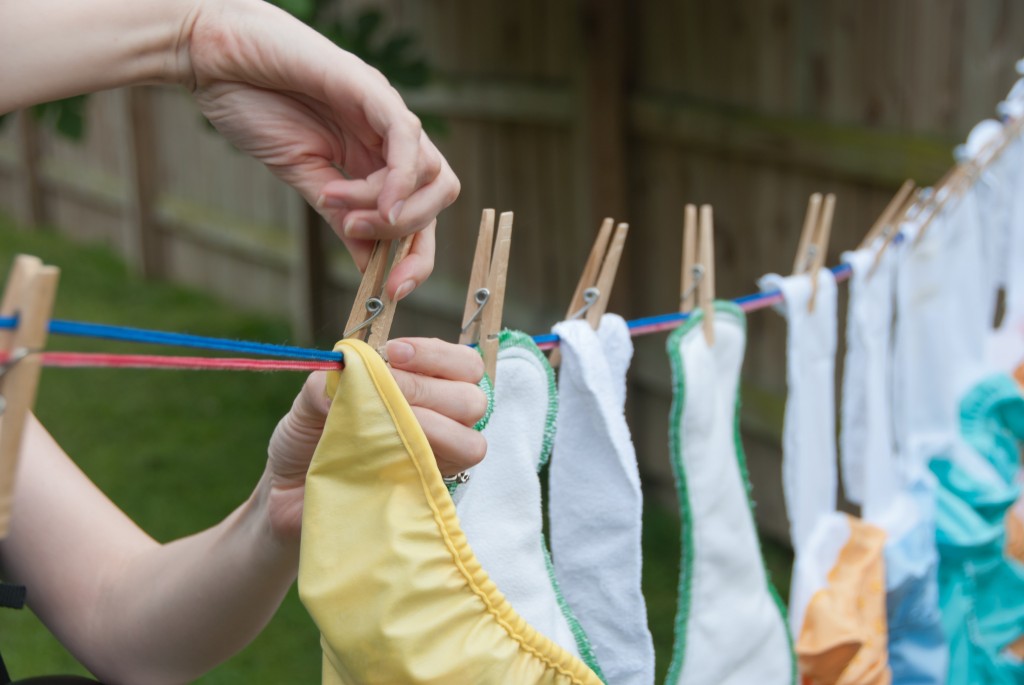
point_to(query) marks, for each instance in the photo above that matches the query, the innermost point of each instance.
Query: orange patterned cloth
(844, 638)
(1019, 375)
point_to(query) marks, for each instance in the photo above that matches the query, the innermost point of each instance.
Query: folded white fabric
(500, 507)
(730, 628)
(595, 500)
(866, 441)
(808, 434)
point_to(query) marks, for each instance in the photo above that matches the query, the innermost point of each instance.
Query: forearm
(175, 611)
(134, 611)
(51, 49)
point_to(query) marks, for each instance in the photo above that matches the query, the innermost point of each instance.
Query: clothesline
(295, 358)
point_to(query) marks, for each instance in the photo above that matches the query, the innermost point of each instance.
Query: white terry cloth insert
(808, 435)
(866, 441)
(730, 628)
(595, 500)
(944, 314)
(1001, 198)
(500, 507)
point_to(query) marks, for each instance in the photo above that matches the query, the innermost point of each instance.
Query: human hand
(438, 379)
(324, 122)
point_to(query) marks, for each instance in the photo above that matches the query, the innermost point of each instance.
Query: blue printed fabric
(918, 653)
(981, 591)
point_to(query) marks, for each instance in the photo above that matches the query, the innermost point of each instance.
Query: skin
(130, 609)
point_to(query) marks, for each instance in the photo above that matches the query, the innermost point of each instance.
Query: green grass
(179, 450)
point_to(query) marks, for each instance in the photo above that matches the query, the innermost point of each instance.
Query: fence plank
(141, 241)
(34, 213)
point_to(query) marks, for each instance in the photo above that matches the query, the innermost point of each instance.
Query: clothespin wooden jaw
(29, 295)
(374, 311)
(886, 224)
(706, 287)
(594, 289)
(698, 277)
(814, 239)
(485, 300)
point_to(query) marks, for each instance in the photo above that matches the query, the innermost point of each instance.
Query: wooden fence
(565, 112)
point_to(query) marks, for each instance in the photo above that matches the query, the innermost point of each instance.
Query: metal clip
(374, 306)
(590, 297)
(698, 273)
(481, 297)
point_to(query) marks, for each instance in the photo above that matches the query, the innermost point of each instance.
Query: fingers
(410, 273)
(456, 447)
(436, 358)
(432, 185)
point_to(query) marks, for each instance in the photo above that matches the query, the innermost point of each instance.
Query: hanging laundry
(1006, 349)
(500, 506)
(730, 624)
(944, 313)
(384, 568)
(808, 441)
(896, 497)
(843, 636)
(981, 590)
(595, 500)
(837, 598)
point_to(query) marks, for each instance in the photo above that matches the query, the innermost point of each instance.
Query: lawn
(178, 450)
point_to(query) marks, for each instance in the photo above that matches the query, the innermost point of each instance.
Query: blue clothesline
(151, 337)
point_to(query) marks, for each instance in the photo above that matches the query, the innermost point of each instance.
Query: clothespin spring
(374, 307)
(481, 296)
(590, 297)
(698, 274)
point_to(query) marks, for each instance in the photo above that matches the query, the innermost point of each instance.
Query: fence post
(308, 269)
(35, 214)
(140, 239)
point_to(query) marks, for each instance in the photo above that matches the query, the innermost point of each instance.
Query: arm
(277, 89)
(135, 611)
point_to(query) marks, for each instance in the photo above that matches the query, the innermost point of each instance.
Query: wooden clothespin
(29, 294)
(373, 311)
(892, 228)
(885, 220)
(594, 290)
(698, 278)
(486, 297)
(954, 180)
(814, 239)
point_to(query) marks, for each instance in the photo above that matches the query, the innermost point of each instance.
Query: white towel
(500, 507)
(730, 628)
(866, 441)
(596, 503)
(809, 477)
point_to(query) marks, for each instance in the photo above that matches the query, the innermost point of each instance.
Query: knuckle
(475, 449)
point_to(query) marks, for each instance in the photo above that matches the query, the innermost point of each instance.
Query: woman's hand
(323, 121)
(438, 379)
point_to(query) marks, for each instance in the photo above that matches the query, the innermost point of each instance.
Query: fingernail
(358, 229)
(396, 210)
(328, 202)
(404, 290)
(400, 352)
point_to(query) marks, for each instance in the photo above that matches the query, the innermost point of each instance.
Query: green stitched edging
(685, 513)
(583, 645)
(488, 388)
(508, 339)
